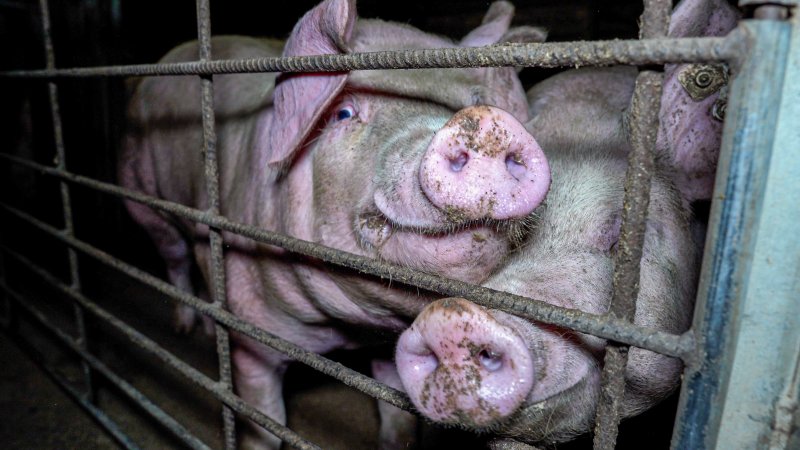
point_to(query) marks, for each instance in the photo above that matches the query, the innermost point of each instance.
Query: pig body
(546, 379)
(487, 370)
(362, 162)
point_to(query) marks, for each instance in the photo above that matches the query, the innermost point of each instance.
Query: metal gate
(742, 354)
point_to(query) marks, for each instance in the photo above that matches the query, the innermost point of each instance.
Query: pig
(429, 169)
(486, 370)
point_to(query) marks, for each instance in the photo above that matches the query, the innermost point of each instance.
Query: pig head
(487, 370)
(428, 169)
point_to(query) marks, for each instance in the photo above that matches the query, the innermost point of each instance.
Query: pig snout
(458, 363)
(484, 164)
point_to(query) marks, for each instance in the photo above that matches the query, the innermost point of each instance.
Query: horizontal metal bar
(606, 327)
(788, 3)
(219, 390)
(97, 414)
(336, 370)
(109, 424)
(126, 388)
(548, 54)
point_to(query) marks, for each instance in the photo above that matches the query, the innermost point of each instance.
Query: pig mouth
(374, 229)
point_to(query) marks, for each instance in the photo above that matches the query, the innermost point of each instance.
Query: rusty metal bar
(109, 424)
(606, 327)
(215, 388)
(345, 375)
(216, 269)
(627, 261)
(66, 201)
(126, 388)
(625, 288)
(547, 54)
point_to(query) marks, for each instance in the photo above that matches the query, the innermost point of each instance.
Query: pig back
(162, 152)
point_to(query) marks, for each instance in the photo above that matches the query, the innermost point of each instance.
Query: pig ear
(524, 35)
(690, 132)
(300, 99)
(494, 26)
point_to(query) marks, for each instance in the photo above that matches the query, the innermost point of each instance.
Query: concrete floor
(34, 413)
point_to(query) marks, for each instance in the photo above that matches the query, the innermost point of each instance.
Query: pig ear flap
(692, 107)
(494, 26)
(524, 35)
(300, 99)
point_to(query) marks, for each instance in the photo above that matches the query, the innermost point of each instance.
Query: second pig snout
(457, 361)
(483, 164)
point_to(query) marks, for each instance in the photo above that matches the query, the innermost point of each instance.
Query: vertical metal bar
(625, 285)
(217, 261)
(747, 317)
(65, 197)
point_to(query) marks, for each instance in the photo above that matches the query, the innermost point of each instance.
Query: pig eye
(344, 113)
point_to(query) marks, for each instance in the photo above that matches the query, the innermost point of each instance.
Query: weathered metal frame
(722, 320)
(743, 391)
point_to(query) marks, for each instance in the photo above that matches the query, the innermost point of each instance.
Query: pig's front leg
(398, 427)
(258, 377)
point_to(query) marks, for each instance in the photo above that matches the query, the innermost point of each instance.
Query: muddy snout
(483, 164)
(458, 364)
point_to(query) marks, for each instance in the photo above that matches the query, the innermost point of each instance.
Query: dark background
(112, 32)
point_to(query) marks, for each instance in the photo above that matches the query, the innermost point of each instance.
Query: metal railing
(616, 326)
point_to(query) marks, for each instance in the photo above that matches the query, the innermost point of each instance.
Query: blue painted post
(738, 392)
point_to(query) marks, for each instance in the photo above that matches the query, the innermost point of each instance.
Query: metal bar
(547, 54)
(606, 327)
(97, 414)
(195, 376)
(345, 375)
(790, 3)
(126, 388)
(627, 261)
(216, 263)
(66, 202)
(747, 317)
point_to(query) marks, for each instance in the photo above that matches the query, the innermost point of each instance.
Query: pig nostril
(458, 162)
(490, 360)
(516, 166)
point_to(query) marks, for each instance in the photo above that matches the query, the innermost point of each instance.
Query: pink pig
(431, 169)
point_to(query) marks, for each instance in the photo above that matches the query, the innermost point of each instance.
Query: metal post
(747, 318)
(644, 116)
(66, 202)
(217, 284)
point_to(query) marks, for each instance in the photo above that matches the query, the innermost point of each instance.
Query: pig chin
(469, 253)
